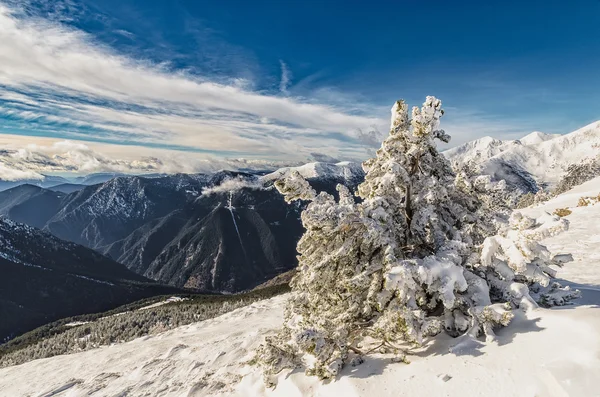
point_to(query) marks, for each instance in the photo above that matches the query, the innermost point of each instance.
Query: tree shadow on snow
(372, 366)
(590, 295)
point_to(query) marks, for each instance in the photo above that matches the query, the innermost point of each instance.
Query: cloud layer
(34, 160)
(59, 81)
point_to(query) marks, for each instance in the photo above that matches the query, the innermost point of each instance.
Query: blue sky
(281, 81)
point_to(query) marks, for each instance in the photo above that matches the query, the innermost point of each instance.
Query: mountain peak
(537, 137)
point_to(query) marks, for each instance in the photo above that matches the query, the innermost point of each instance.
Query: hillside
(30, 204)
(45, 181)
(44, 278)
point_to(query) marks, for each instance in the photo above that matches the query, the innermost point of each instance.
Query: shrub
(562, 212)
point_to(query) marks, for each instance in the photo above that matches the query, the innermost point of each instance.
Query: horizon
(165, 87)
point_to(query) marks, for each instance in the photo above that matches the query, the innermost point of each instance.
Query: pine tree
(398, 266)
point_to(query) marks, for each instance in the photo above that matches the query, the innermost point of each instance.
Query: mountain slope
(231, 246)
(102, 214)
(44, 278)
(165, 227)
(67, 188)
(144, 244)
(46, 181)
(537, 160)
(343, 172)
(30, 204)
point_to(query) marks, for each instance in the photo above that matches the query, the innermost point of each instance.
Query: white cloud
(57, 75)
(31, 157)
(232, 185)
(56, 80)
(11, 174)
(286, 77)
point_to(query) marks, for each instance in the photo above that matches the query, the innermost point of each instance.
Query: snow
(168, 300)
(345, 170)
(551, 353)
(76, 323)
(545, 156)
(545, 352)
(537, 137)
(478, 150)
(582, 240)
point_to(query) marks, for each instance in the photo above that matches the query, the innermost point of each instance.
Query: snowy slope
(582, 239)
(537, 137)
(544, 353)
(545, 157)
(346, 170)
(479, 150)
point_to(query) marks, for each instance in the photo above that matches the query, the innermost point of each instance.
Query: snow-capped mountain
(345, 171)
(534, 161)
(45, 278)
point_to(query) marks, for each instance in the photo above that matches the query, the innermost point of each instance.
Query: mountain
(94, 179)
(67, 188)
(236, 235)
(537, 137)
(45, 278)
(343, 172)
(46, 182)
(535, 161)
(101, 177)
(30, 204)
(99, 215)
(231, 243)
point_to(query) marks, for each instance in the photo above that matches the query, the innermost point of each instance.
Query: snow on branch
(405, 263)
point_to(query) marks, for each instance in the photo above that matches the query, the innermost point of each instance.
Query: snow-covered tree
(489, 200)
(398, 266)
(517, 266)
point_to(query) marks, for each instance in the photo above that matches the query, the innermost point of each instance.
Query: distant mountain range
(45, 278)
(164, 228)
(67, 185)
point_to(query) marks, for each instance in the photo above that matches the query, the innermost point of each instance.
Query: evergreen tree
(398, 266)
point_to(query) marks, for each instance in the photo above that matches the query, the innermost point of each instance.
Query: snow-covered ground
(544, 353)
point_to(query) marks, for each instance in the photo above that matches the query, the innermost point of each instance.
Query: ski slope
(547, 352)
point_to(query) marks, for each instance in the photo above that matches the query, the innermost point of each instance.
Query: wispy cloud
(54, 76)
(286, 77)
(58, 81)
